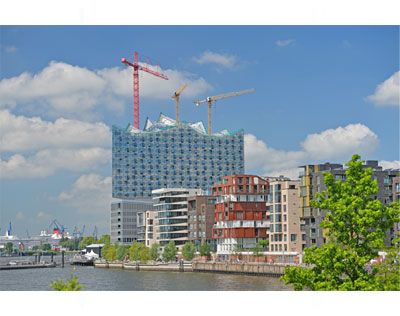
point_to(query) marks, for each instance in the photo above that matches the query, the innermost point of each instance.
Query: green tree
(72, 285)
(154, 251)
(104, 239)
(9, 247)
(109, 252)
(86, 241)
(356, 226)
(261, 246)
(205, 250)
(139, 252)
(170, 251)
(188, 251)
(45, 247)
(121, 252)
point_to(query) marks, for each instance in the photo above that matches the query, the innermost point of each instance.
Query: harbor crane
(9, 229)
(219, 97)
(176, 97)
(136, 67)
(95, 233)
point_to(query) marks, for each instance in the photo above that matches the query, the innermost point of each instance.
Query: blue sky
(322, 94)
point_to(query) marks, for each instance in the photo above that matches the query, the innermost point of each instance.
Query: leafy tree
(71, 244)
(170, 251)
(109, 252)
(356, 227)
(86, 241)
(72, 285)
(9, 247)
(139, 252)
(45, 247)
(104, 239)
(188, 251)
(121, 252)
(154, 251)
(205, 250)
(262, 245)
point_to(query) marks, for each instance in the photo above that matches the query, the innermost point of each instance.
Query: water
(98, 279)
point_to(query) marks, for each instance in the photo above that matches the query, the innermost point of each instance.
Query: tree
(109, 252)
(188, 251)
(9, 247)
(86, 241)
(104, 239)
(261, 246)
(170, 251)
(139, 252)
(356, 227)
(154, 251)
(121, 252)
(45, 247)
(72, 285)
(205, 250)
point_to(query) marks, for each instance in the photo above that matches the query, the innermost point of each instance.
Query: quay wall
(260, 269)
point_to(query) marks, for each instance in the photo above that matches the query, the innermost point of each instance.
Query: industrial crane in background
(95, 233)
(219, 97)
(176, 97)
(136, 67)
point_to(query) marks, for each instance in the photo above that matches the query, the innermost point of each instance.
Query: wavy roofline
(177, 125)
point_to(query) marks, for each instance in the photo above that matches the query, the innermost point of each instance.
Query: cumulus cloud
(20, 133)
(224, 60)
(395, 164)
(89, 194)
(46, 162)
(37, 148)
(339, 143)
(283, 43)
(388, 92)
(61, 89)
(333, 144)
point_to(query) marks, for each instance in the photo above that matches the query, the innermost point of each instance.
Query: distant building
(311, 182)
(240, 213)
(201, 219)
(283, 209)
(124, 212)
(172, 214)
(146, 224)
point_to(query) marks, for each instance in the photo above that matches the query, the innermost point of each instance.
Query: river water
(99, 279)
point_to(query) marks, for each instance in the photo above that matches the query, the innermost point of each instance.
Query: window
(239, 215)
(293, 237)
(284, 198)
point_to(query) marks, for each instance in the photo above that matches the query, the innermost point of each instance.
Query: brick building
(240, 213)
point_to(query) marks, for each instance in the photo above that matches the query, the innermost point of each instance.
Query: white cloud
(388, 92)
(90, 194)
(341, 143)
(61, 89)
(46, 162)
(224, 60)
(333, 144)
(10, 49)
(283, 43)
(390, 164)
(38, 148)
(20, 133)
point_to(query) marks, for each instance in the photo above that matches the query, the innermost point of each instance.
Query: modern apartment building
(166, 154)
(283, 209)
(240, 213)
(311, 181)
(201, 219)
(124, 227)
(171, 222)
(145, 224)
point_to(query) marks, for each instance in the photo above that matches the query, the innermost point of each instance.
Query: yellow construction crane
(176, 97)
(219, 97)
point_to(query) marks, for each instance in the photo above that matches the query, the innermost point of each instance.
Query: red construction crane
(136, 67)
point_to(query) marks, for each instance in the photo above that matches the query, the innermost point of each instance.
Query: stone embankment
(259, 269)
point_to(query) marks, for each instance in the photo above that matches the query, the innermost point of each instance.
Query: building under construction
(166, 154)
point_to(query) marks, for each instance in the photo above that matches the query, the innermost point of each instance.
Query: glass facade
(172, 155)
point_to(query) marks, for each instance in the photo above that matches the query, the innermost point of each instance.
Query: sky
(322, 93)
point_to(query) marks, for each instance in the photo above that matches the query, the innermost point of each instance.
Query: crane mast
(136, 67)
(176, 97)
